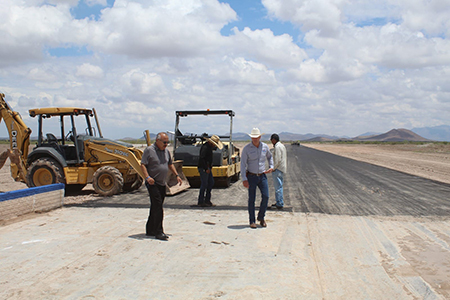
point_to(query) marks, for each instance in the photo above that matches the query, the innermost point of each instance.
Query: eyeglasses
(164, 142)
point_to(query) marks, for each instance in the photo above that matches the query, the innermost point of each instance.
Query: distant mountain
(437, 133)
(368, 134)
(395, 135)
(318, 139)
(127, 139)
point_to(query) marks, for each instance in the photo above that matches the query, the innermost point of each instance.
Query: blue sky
(323, 66)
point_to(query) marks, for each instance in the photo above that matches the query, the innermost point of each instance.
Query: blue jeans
(260, 182)
(207, 184)
(277, 177)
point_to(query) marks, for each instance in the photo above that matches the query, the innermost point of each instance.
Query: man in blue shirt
(253, 172)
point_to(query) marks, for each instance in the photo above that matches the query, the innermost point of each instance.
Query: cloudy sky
(338, 67)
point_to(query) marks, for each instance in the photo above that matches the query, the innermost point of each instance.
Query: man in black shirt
(205, 161)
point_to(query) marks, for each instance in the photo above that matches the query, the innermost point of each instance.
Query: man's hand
(179, 180)
(268, 171)
(151, 181)
(208, 171)
(245, 183)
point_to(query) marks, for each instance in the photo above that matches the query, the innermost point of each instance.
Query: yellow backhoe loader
(75, 158)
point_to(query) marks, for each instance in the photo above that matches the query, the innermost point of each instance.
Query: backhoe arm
(19, 138)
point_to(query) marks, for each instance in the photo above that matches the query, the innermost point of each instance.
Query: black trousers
(157, 195)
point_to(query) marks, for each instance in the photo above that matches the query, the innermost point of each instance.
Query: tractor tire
(227, 182)
(45, 171)
(236, 176)
(135, 185)
(107, 181)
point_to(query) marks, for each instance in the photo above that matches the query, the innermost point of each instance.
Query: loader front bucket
(172, 185)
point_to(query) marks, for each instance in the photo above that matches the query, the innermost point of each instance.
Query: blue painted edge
(31, 191)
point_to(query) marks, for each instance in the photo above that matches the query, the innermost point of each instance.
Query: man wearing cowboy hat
(205, 162)
(253, 172)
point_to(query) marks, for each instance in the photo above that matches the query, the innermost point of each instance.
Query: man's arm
(244, 167)
(270, 160)
(277, 156)
(147, 178)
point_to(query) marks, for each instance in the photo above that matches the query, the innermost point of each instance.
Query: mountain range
(438, 133)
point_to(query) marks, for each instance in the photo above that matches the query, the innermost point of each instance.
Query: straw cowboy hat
(215, 140)
(255, 133)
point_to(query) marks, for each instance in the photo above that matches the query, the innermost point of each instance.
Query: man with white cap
(253, 172)
(205, 162)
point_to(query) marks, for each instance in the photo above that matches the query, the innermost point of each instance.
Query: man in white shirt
(279, 169)
(253, 172)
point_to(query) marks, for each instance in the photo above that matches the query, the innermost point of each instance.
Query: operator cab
(70, 144)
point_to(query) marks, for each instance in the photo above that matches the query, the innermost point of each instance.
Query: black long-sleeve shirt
(206, 156)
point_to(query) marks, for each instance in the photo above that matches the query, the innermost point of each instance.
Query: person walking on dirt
(155, 163)
(253, 171)
(279, 169)
(205, 162)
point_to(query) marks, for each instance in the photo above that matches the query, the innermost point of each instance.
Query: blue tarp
(31, 191)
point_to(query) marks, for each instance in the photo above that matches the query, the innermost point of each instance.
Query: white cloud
(238, 71)
(90, 71)
(431, 16)
(323, 15)
(153, 29)
(136, 81)
(264, 46)
(357, 65)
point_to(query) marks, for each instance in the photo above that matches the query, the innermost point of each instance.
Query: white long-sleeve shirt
(279, 157)
(253, 159)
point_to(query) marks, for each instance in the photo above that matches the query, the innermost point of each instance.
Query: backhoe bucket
(3, 157)
(172, 185)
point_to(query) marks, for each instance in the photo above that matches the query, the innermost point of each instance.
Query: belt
(256, 174)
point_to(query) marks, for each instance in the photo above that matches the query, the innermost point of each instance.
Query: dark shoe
(150, 234)
(162, 236)
(280, 207)
(253, 226)
(263, 223)
(273, 206)
(209, 204)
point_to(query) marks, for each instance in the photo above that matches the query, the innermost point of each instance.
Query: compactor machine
(75, 158)
(226, 161)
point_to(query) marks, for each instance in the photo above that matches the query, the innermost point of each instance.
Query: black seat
(51, 138)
